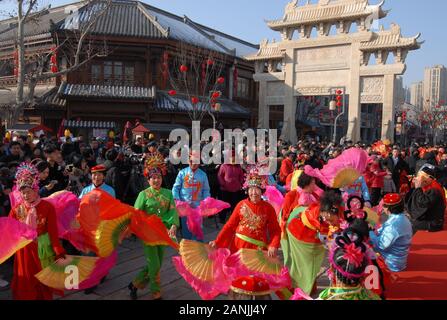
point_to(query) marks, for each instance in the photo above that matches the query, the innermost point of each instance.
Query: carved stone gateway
(315, 66)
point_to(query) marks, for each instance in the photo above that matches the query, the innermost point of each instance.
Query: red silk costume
(27, 264)
(255, 221)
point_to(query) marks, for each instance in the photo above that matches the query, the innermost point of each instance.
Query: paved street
(130, 262)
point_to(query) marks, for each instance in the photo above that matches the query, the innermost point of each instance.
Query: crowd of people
(404, 185)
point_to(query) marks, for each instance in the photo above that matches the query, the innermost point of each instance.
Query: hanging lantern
(54, 69)
(8, 135)
(339, 98)
(53, 60)
(172, 93)
(221, 80)
(216, 94)
(339, 92)
(67, 133)
(111, 134)
(183, 68)
(339, 104)
(195, 100)
(209, 62)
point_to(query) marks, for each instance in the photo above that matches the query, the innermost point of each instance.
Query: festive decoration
(172, 93)
(67, 133)
(216, 94)
(251, 286)
(195, 100)
(254, 178)
(53, 60)
(183, 68)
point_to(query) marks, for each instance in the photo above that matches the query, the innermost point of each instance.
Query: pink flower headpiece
(354, 254)
(27, 176)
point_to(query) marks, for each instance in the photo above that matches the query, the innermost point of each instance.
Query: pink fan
(102, 269)
(342, 171)
(14, 236)
(274, 197)
(208, 207)
(66, 205)
(300, 295)
(202, 267)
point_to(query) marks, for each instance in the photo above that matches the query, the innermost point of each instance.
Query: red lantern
(216, 94)
(54, 69)
(221, 80)
(172, 93)
(195, 100)
(209, 62)
(339, 98)
(339, 104)
(339, 92)
(183, 68)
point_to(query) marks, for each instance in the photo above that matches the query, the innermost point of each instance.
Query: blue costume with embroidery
(192, 187)
(358, 188)
(393, 241)
(104, 187)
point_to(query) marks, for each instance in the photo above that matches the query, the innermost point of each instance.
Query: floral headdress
(354, 254)
(255, 178)
(27, 175)
(155, 164)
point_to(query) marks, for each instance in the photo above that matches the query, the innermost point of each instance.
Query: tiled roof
(131, 19)
(123, 18)
(163, 102)
(337, 10)
(103, 91)
(267, 51)
(392, 38)
(51, 99)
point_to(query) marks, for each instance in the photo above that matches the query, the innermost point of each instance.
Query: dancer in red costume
(253, 224)
(30, 260)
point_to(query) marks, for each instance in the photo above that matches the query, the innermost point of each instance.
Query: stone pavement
(130, 262)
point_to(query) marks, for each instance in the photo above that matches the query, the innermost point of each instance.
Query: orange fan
(151, 230)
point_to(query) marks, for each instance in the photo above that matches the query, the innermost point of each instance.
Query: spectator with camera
(56, 167)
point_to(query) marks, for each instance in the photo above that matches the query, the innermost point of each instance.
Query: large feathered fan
(66, 205)
(103, 221)
(151, 230)
(275, 198)
(342, 171)
(110, 234)
(203, 268)
(14, 235)
(247, 262)
(56, 274)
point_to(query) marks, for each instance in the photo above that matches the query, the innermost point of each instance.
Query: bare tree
(71, 41)
(195, 73)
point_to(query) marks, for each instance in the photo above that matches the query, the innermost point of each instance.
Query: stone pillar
(289, 128)
(388, 108)
(355, 110)
(264, 113)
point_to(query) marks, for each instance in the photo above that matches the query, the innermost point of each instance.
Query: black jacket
(426, 209)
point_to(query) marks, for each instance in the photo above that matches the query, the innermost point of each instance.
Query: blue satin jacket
(393, 241)
(191, 186)
(358, 188)
(104, 187)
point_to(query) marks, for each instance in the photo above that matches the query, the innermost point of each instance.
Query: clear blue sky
(245, 19)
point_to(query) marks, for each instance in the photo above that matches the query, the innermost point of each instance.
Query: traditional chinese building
(127, 84)
(326, 47)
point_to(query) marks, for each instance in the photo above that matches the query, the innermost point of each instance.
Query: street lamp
(333, 104)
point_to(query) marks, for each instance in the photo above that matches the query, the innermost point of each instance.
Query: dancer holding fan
(39, 215)
(158, 201)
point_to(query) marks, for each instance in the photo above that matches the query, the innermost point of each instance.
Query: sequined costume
(38, 254)
(251, 226)
(161, 203)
